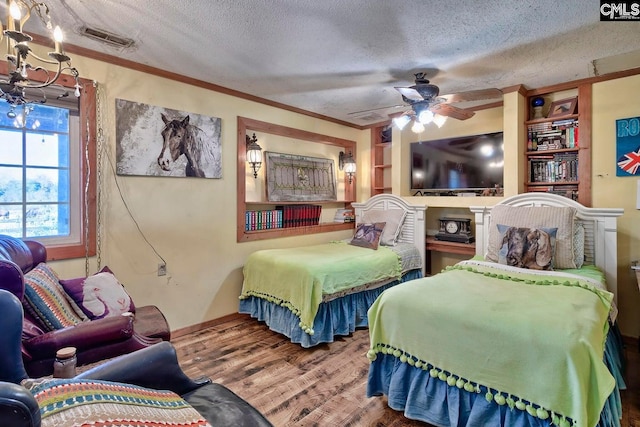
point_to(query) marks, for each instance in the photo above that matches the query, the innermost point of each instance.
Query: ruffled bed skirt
(421, 397)
(337, 317)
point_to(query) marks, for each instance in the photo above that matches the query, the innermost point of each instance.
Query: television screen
(472, 163)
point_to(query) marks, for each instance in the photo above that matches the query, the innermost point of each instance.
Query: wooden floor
(321, 386)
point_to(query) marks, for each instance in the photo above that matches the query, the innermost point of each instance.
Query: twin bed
(483, 342)
(312, 294)
(488, 343)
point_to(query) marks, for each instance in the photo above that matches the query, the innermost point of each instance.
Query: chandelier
(17, 88)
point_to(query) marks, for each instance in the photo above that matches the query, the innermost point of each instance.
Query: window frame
(86, 173)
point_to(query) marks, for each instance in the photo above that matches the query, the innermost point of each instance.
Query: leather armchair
(153, 367)
(94, 340)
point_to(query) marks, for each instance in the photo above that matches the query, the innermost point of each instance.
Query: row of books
(569, 191)
(553, 168)
(553, 135)
(344, 215)
(283, 216)
(300, 215)
(262, 220)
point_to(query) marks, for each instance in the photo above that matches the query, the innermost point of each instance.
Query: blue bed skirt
(337, 317)
(421, 397)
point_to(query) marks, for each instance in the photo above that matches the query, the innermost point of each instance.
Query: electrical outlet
(162, 269)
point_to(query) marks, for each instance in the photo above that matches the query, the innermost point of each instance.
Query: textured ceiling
(336, 57)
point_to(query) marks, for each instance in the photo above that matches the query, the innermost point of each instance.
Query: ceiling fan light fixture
(425, 117)
(401, 121)
(439, 120)
(417, 127)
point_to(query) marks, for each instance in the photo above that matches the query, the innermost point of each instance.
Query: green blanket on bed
(526, 337)
(297, 278)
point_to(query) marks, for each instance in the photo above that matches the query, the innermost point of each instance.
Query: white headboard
(413, 228)
(600, 225)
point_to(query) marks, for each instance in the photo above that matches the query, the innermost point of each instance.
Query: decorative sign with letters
(628, 146)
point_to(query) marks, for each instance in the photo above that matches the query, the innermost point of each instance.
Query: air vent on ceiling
(106, 37)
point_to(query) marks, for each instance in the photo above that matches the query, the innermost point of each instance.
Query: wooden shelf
(435, 245)
(559, 150)
(551, 119)
(546, 183)
(302, 202)
(274, 233)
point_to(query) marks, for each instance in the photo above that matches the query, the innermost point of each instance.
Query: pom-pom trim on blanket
(453, 380)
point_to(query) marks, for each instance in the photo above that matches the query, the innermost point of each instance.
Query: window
(47, 174)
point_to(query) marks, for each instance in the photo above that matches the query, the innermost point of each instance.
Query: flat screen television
(472, 163)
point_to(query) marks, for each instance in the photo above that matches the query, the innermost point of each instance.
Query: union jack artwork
(628, 146)
(630, 162)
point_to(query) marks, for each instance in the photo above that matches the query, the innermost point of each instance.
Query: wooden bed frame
(413, 229)
(600, 225)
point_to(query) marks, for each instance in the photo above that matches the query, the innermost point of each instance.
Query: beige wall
(618, 99)
(191, 222)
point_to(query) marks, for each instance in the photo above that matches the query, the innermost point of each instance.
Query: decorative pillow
(368, 235)
(393, 219)
(45, 299)
(578, 244)
(100, 295)
(524, 247)
(558, 217)
(69, 402)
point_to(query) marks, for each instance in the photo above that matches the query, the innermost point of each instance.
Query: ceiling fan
(427, 105)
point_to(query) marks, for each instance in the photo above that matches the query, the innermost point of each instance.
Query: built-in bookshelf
(380, 160)
(302, 222)
(558, 155)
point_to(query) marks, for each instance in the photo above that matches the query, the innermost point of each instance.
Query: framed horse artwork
(157, 141)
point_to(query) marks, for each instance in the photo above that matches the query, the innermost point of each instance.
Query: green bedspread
(297, 278)
(535, 340)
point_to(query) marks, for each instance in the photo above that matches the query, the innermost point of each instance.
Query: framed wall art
(563, 107)
(157, 141)
(299, 178)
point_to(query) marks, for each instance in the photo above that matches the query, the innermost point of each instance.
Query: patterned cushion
(69, 402)
(45, 299)
(393, 219)
(561, 218)
(100, 295)
(368, 235)
(524, 247)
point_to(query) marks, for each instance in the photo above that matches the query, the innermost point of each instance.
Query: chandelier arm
(48, 81)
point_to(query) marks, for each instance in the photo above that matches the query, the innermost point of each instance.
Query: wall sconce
(346, 163)
(254, 154)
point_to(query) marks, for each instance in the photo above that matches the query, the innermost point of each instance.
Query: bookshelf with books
(558, 155)
(259, 220)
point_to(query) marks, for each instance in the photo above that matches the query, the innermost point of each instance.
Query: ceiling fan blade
(451, 111)
(379, 108)
(473, 95)
(410, 93)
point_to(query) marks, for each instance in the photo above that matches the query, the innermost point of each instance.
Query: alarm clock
(455, 230)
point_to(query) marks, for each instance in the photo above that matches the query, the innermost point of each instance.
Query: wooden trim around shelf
(246, 125)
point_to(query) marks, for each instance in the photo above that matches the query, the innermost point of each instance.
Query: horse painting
(179, 137)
